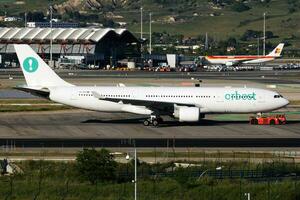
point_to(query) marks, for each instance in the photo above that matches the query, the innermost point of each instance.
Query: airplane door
(260, 101)
(221, 105)
(220, 99)
(261, 98)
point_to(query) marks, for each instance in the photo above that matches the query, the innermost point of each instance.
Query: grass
(230, 23)
(295, 102)
(166, 189)
(291, 115)
(9, 105)
(10, 108)
(25, 101)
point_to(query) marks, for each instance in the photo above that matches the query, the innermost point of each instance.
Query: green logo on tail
(30, 64)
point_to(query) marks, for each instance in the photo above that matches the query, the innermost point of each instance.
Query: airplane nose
(285, 102)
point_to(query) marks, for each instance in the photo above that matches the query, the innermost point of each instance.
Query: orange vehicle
(268, 120)
(164, 69)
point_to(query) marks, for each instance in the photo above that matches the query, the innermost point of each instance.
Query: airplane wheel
(146, 122)
(155, 123)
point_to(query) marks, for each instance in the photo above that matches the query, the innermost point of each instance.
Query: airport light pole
(25, 19)
(206, 42)
(141, 23)
(248, 196)
(142, 36)
(150, 33)
(51, 13)
(264, 47)
(135, 175)
(258, 46)
(135, 172)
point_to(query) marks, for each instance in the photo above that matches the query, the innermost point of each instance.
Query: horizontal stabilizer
(44, 93)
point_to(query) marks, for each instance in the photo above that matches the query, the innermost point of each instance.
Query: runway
(83, 128)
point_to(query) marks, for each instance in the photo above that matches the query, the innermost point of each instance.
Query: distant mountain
(221, 19)
(90, 5)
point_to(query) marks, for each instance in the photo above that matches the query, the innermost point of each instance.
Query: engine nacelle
(187, 114)
(229, 64)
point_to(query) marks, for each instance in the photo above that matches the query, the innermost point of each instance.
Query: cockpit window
(278, 96)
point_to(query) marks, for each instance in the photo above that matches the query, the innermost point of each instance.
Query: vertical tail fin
(37, 73)
(277, 51)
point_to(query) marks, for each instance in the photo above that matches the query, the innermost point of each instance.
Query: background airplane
(240, 59)
(188, 104)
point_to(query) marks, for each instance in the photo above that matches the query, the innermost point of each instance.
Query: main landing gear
(153, 120)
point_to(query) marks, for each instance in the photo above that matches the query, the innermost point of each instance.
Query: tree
(36, 16)
(109, 23)
(251, 34)
(95, 166)
(231, 42)
(270, 34)
(239, 7)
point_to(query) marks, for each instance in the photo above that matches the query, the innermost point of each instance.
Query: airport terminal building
(89, 46)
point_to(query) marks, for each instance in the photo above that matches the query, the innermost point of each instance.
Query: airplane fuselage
(233, 60)
(236, 60)
(208, 100)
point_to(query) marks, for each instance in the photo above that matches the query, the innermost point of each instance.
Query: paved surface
(86, 125)
(259, 76)
(83, 128)
(287, 82)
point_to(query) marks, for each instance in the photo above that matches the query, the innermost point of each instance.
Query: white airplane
(235, 60)
(188, 104)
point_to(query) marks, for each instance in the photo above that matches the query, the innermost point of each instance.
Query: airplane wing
(155, 106)
(244, 60)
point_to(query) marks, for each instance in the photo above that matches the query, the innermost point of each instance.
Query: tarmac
(80, 127)
(78, 124)
(287, 77)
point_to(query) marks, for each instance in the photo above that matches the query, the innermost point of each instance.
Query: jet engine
(229, 64)
(187, 114)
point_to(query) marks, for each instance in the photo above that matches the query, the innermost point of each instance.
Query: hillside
(221, 19)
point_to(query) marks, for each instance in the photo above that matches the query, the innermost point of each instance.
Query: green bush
(239, 7)
(94, 166)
